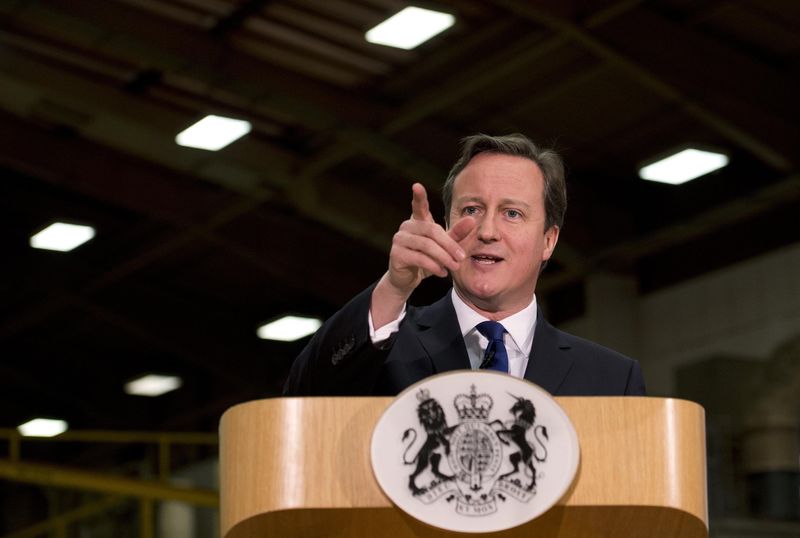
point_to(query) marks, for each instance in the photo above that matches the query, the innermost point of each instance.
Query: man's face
(505, 196)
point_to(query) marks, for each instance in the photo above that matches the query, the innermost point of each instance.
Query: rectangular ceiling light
(410, 27)
(213, 133)
(289, 328)
(42, 427)
(62, 237)
(683, 166)
(153, 385)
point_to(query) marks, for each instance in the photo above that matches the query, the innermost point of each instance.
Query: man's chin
(483, 297)
(494, 297)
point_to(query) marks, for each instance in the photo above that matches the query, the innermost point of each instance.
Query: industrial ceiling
(194, 249)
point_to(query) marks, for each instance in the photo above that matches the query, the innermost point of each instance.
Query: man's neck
(520, 326)
(489, 309)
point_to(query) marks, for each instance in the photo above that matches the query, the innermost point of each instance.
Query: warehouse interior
(195, 249)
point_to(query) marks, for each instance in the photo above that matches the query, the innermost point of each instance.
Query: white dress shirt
(518, 337)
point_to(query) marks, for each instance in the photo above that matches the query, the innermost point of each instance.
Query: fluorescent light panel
(213, 133)
(153, 385)
(62, 237)
(42, 427)
(683, 166)
(410, 27)
(289, 328)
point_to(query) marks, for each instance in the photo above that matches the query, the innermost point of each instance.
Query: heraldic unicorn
(463, 462)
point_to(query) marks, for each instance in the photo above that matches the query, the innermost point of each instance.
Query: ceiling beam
(173, 48)
(271, 168)
(166, 341)
(234, 20)
(47, 396)
(304, 187)
(731, 129)
(84, 167)
(146, 39)
(279, 174)
(511, 59)
(784, 192)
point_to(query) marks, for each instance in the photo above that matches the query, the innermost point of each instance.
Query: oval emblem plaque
(474, 451)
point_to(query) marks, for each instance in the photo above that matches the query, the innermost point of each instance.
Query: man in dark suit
(504, 200)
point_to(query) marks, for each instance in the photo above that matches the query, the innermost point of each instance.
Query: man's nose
(487, 228)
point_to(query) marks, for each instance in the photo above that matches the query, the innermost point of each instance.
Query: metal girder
(304, 193)
(323, 108)
(582, 35)
(56, 476)
(484, 73)
(272, 168)
(238, 16)
(148, 40)
(278, 174)
(82, 166)
(783, 192)
(134, 328)
(27, 382)
(432, 101)
(350, 142)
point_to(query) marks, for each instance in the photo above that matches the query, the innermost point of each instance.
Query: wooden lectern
(301, 467)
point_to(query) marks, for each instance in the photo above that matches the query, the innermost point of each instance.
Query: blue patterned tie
(496, 356)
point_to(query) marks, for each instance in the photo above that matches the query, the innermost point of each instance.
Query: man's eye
(470, 210)
(513, 213)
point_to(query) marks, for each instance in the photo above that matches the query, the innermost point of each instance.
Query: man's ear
(550, 240)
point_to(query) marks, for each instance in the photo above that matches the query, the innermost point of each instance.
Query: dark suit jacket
(341, 359)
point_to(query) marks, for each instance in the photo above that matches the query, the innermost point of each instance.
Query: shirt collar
(520, 326)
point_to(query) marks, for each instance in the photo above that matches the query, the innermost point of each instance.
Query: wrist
(387, 301)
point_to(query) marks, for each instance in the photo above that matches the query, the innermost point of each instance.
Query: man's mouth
(485, 259)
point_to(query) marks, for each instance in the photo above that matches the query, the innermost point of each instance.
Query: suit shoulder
(581, 347)
(609, 372)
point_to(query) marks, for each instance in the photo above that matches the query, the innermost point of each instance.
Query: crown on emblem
(473, 406)
(423, 394)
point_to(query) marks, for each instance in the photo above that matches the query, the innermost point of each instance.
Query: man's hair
(518, 145)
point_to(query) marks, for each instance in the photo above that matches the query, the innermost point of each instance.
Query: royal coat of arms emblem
(481, 457)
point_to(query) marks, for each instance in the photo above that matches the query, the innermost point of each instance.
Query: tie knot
(491, 330)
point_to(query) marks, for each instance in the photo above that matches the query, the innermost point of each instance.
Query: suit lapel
(440, 335)
(548, 363)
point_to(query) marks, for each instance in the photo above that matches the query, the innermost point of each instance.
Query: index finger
(420, 210)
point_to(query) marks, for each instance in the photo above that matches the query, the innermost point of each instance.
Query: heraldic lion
(432, 418)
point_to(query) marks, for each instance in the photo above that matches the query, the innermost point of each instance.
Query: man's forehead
(490, 166)
(500, 165)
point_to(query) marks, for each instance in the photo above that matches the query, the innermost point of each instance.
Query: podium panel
(300, 467)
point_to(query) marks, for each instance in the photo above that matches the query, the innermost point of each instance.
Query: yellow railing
(118, 488)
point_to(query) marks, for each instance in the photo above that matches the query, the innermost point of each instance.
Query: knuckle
(430, 228)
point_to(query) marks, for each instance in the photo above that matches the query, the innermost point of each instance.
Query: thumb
(462, 229)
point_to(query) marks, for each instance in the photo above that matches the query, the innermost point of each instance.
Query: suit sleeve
(340, 359)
